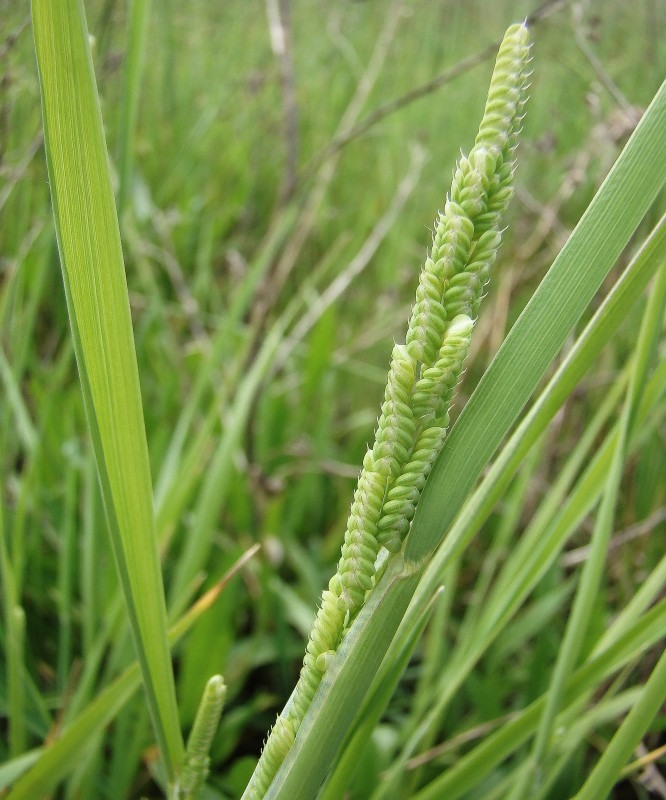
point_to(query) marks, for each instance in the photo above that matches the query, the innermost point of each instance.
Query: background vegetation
(272, 242)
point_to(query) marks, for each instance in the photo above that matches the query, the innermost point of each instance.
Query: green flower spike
(422, 378)
(195, 769)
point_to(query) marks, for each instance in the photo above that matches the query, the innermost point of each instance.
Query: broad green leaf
(95, 286)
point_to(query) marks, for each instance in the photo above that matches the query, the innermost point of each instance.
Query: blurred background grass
(259, 397)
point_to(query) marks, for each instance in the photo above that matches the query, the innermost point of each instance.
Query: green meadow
(213, 220)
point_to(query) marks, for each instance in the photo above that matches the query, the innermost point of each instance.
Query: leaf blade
(95, 286)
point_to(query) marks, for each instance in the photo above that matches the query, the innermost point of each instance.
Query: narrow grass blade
(469, 770)
(66, 571)
(581, 726)
(14, 400)
(14, 645)
(618, 752)
(92, 265)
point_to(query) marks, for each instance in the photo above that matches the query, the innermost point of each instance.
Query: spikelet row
(278, 744)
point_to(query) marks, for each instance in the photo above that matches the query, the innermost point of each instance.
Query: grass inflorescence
(422, 377)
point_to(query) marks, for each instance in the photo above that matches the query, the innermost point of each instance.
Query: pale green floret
(329, 620)
(453, 237)
(360, 548)
(308, 683)
(422, 379)
(431, 398)
(468, 189)
(324, 659)
(453, 241)
(430, 318)
(276, 748)
(464, 291)
(395, 428)
(426, 327)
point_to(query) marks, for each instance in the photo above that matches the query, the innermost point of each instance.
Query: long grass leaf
(95, 286)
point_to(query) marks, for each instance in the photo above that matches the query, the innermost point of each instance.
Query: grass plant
(182, 426)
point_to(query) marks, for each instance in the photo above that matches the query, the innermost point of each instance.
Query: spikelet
(481, 188)
(405, 493)
(428, 320)
(395, 428)
(503, 114)
(360, 548)
(434, 390)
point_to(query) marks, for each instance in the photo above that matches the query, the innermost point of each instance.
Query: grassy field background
(275, 211)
